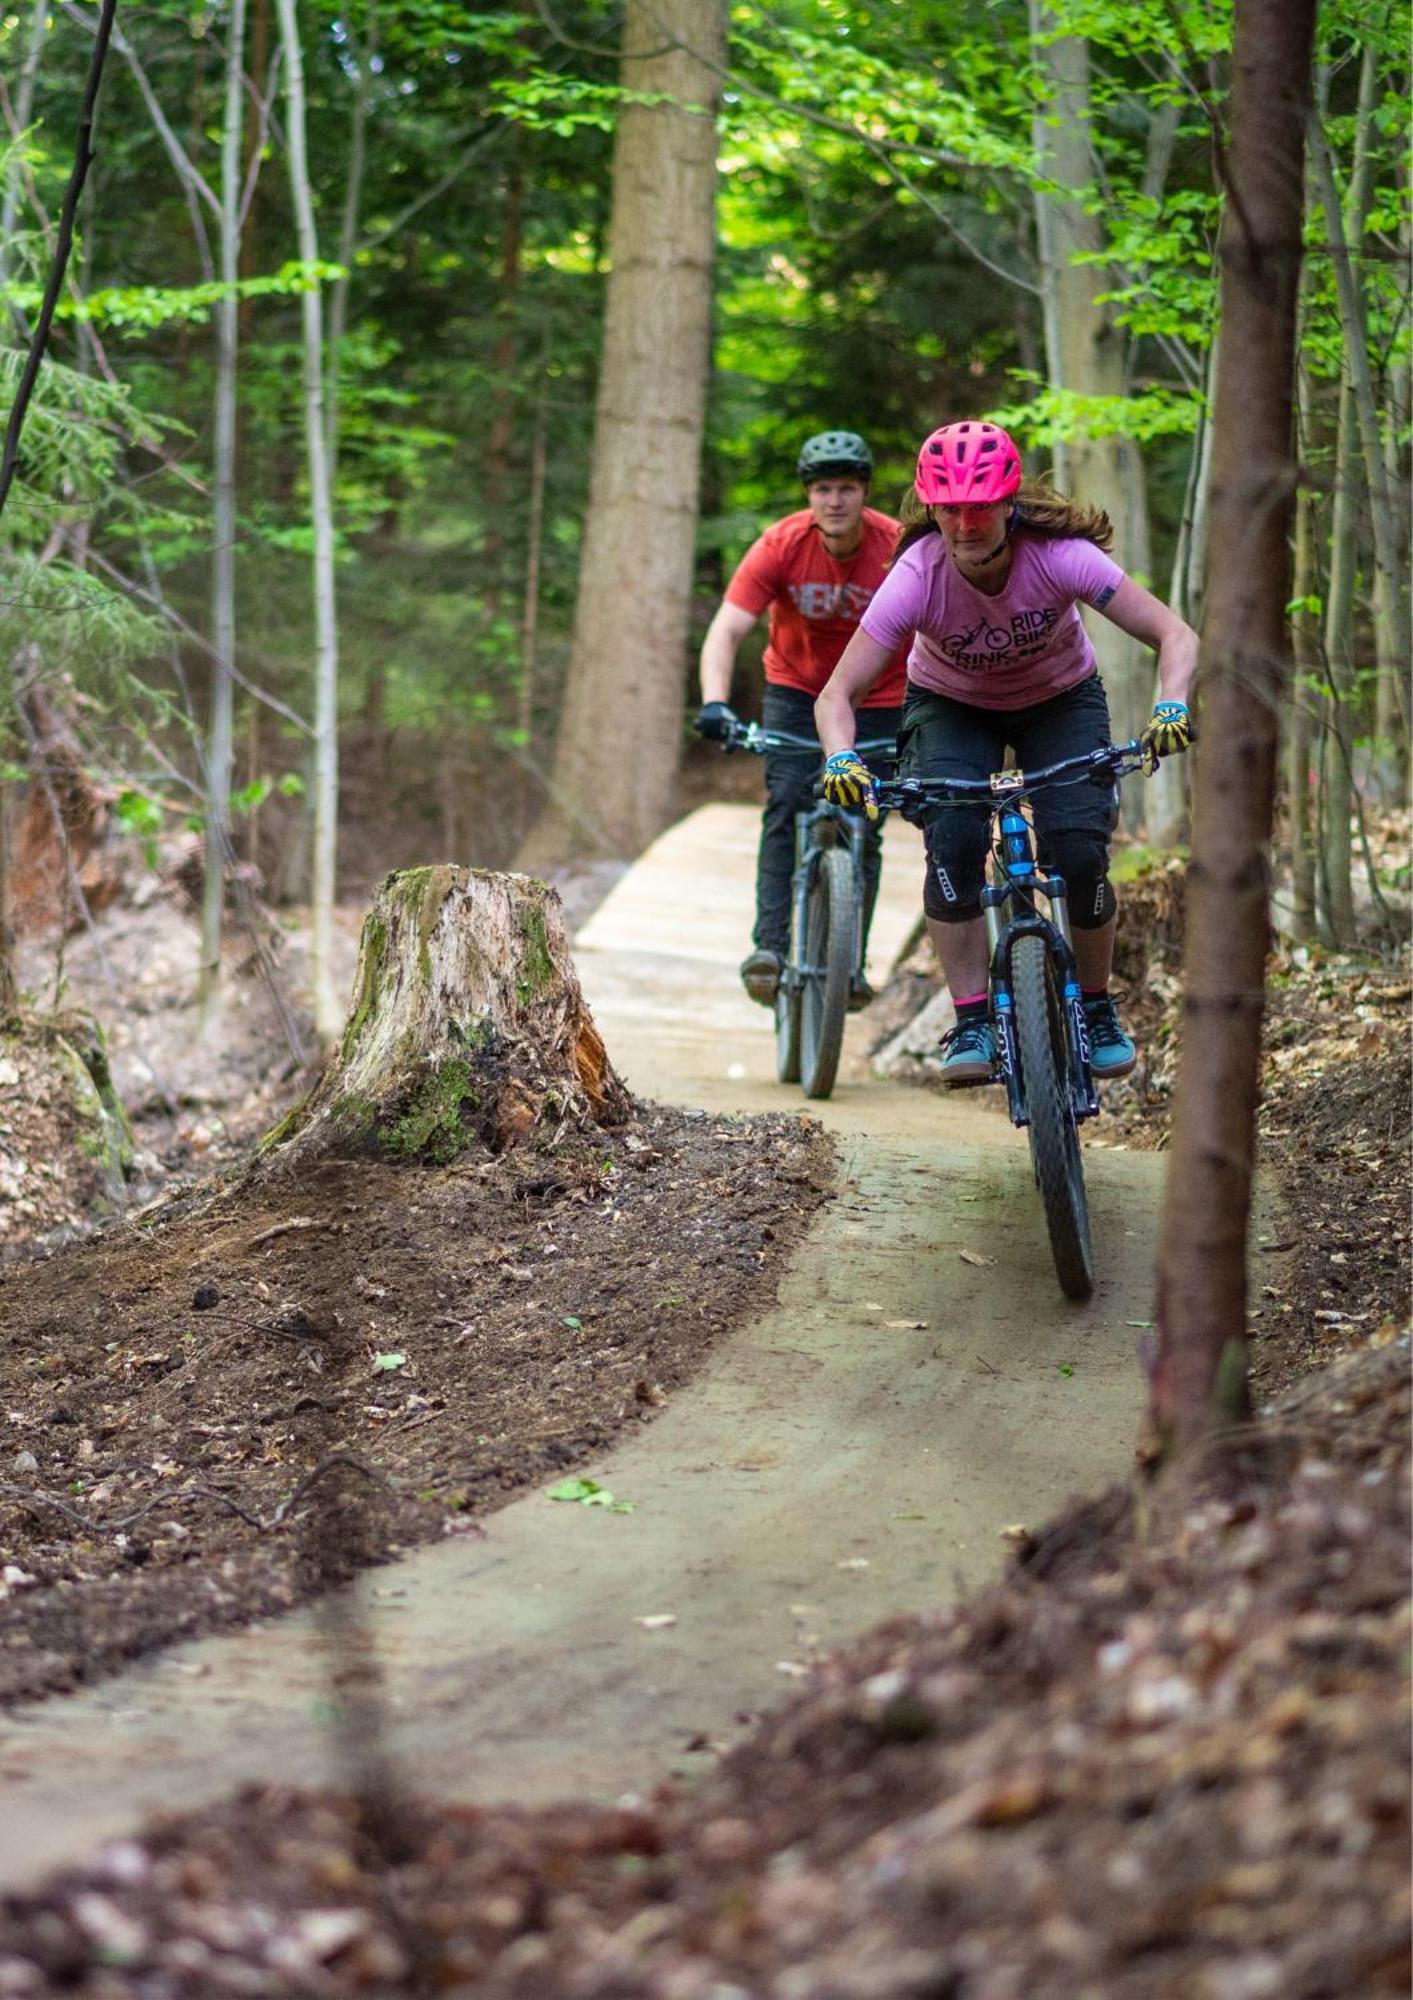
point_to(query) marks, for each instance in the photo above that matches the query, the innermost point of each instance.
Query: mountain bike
(825, 958)
(1036, 1007)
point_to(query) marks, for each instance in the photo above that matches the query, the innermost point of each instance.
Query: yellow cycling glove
(847, 782)
(1168, 732)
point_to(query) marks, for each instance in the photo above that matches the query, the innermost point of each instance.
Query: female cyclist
(988, 573)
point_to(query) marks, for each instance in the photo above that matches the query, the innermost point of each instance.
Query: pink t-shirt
(1021, 646)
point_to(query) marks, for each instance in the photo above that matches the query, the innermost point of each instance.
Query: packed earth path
(920, 1388)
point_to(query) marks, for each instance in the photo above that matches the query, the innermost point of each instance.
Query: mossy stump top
(468, 1027)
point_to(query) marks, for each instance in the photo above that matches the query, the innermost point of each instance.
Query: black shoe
(861, 994)
(969, 1052)
(760, 975)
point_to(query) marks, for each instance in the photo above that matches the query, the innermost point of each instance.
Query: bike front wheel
(1043, 1046)
(831, 928)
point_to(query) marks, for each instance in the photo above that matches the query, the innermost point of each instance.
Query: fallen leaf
(975, 1257)
(386, 1363)
(657, 1621)
(906, 1325)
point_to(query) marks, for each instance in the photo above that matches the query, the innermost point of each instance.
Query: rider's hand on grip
(1168, 732)
(847, 782)
(715, 720)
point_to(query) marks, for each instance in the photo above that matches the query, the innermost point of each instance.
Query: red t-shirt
(816, 601)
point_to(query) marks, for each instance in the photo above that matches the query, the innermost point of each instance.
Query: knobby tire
(831, 927)
(1054, 1135)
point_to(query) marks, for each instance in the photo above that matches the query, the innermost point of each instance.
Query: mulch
(405, 1348)
(1164, 1757)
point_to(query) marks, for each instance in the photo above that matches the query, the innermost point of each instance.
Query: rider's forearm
(1177, 664)
(834, 719)
(718, 662)
(860, 664)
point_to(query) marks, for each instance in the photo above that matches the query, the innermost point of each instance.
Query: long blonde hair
(1040, 508)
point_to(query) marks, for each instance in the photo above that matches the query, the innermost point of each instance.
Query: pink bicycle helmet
(972, 461)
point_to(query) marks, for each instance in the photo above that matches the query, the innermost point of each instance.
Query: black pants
(942, 738)
(789, 788)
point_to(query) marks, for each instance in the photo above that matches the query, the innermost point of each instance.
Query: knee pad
(951, 887)
(1082, 857)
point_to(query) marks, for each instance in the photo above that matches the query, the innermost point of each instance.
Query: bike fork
(1003, 1012)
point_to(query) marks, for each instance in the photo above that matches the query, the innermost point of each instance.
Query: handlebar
(751, 736)
(1108, 763)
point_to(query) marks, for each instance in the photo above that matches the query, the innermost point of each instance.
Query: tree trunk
(468, 1028)
(326, 672)
(9, 987)
(1337, 791)
(223, 611)
(503, 357)
(1346, 228)
(23, 110)
(619, 741)
(1085, 351)
(365, 55)
(534, 549)
(1300, 730)
(1199, 1372)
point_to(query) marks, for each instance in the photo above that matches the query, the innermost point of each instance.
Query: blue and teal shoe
(1111, 1053)
(969, 1053)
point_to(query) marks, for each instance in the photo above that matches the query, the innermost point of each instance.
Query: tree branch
(83, 159)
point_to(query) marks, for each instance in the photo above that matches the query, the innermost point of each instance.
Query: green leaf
(386, 1363)
(570, 1320)
(1065, 1368)
(588, 1493)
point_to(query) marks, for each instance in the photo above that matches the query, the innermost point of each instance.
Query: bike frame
(1008, 900)
(824, 825)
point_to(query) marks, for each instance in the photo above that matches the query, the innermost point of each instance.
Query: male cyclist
(815, 572)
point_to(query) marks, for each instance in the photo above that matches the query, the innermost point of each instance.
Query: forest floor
(1163, 1755)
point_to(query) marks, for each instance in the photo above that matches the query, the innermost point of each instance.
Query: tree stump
(468, 1028)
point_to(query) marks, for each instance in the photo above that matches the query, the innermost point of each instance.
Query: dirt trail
(855, 1453)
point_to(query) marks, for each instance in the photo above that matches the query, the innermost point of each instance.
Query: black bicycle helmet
(835, 455)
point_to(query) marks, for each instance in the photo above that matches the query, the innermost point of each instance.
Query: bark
(9, 989)
(503, 358)
(468, 1028)
(365, 53)
(1086, 352)
(321, 898)
(1300, 732)
(619, 741)
(1337, 789)
(1199, 1367)
(534, 549)
(223, 611)
(1345, 227)
(1391, 709)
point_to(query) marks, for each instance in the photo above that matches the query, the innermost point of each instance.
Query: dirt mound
(1178, 1768)
(406, 1347)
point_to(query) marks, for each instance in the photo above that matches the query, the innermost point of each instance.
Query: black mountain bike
(1037, 1010)
(826, 922)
